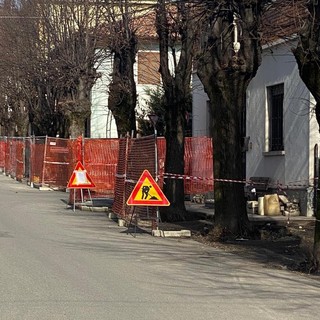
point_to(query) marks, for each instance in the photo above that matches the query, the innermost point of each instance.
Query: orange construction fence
(114, 165)
(138, 154)
(198, 164)
(3, 144)
(12, 157)
(135, 155)
(100, 157)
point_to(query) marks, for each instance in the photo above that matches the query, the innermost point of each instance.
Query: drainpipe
(236, 43)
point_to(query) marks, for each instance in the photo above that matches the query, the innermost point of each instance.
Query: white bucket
(252, 207)
(261, 206)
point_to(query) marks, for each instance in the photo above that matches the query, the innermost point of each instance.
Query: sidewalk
(207, 213)
(202, 209)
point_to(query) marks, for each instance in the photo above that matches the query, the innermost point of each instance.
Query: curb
(93, 209)
(172, 234)
(123, 223)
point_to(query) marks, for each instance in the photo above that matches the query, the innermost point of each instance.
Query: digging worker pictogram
(145, 191)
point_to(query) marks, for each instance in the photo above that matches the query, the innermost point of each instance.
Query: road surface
(60, 264)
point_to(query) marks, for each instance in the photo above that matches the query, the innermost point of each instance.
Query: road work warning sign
(147, 193)
(80, 178)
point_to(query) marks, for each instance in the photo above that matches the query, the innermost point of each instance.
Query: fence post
(128, 141)
(44, 161)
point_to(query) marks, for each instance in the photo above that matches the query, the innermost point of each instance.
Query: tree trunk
(76, 126)
(316, 244)
(176, 85)
(230, 54)
(307, 54)
(227, 117)
(174, 134)
(122, 90)
(80, 109)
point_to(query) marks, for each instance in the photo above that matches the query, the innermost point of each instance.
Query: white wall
(102, 121)
(200, 112)
(314, 137)
(301, 132)
(279, 66)
(295, 166)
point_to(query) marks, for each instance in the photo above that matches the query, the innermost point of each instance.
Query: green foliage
(156, 105)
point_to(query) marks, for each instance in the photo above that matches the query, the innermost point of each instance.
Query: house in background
(146, 72)
(147, 77)
(200, 109)
(281, 127)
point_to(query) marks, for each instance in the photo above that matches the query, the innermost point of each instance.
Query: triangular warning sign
(147, 193)
(80, 179)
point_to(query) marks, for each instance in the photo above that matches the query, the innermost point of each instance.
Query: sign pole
(156, 172)
(135, 229)
(74, 200)
(154, 120)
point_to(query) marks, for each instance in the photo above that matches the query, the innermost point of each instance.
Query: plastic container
(252, 207)
(261, 206)
(271, 205)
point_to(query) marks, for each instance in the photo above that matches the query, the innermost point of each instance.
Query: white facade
(200, 109)
(102, 121)
(294, 165)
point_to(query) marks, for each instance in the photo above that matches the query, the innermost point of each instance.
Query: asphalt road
(60, 264)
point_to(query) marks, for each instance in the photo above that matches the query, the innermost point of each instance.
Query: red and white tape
(249, 182)
(277, 185)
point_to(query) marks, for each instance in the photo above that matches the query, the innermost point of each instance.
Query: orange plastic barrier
(100, 160)
(10, 154)
(114, 165)
(135, 155)
(57, 160)
(3, 145)
(20, 159)
(37, 147)
(198, 164)
(14, 158)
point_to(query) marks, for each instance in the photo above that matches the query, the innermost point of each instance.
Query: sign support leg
(89, 193)
(131, 221)
(74, 200)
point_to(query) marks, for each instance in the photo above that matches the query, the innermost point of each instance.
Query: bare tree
(69, 36)
(307, 54)
(177, 33)
(229, 57)
(14, 112)
(122, 43)
(55, 55)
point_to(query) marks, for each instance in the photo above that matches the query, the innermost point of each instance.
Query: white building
(280, 125)
(147, 76)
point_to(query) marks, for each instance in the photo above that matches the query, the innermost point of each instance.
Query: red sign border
(164, 202)
(79, 166)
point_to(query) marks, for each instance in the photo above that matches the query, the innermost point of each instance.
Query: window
(148, 68)
(275, 102)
